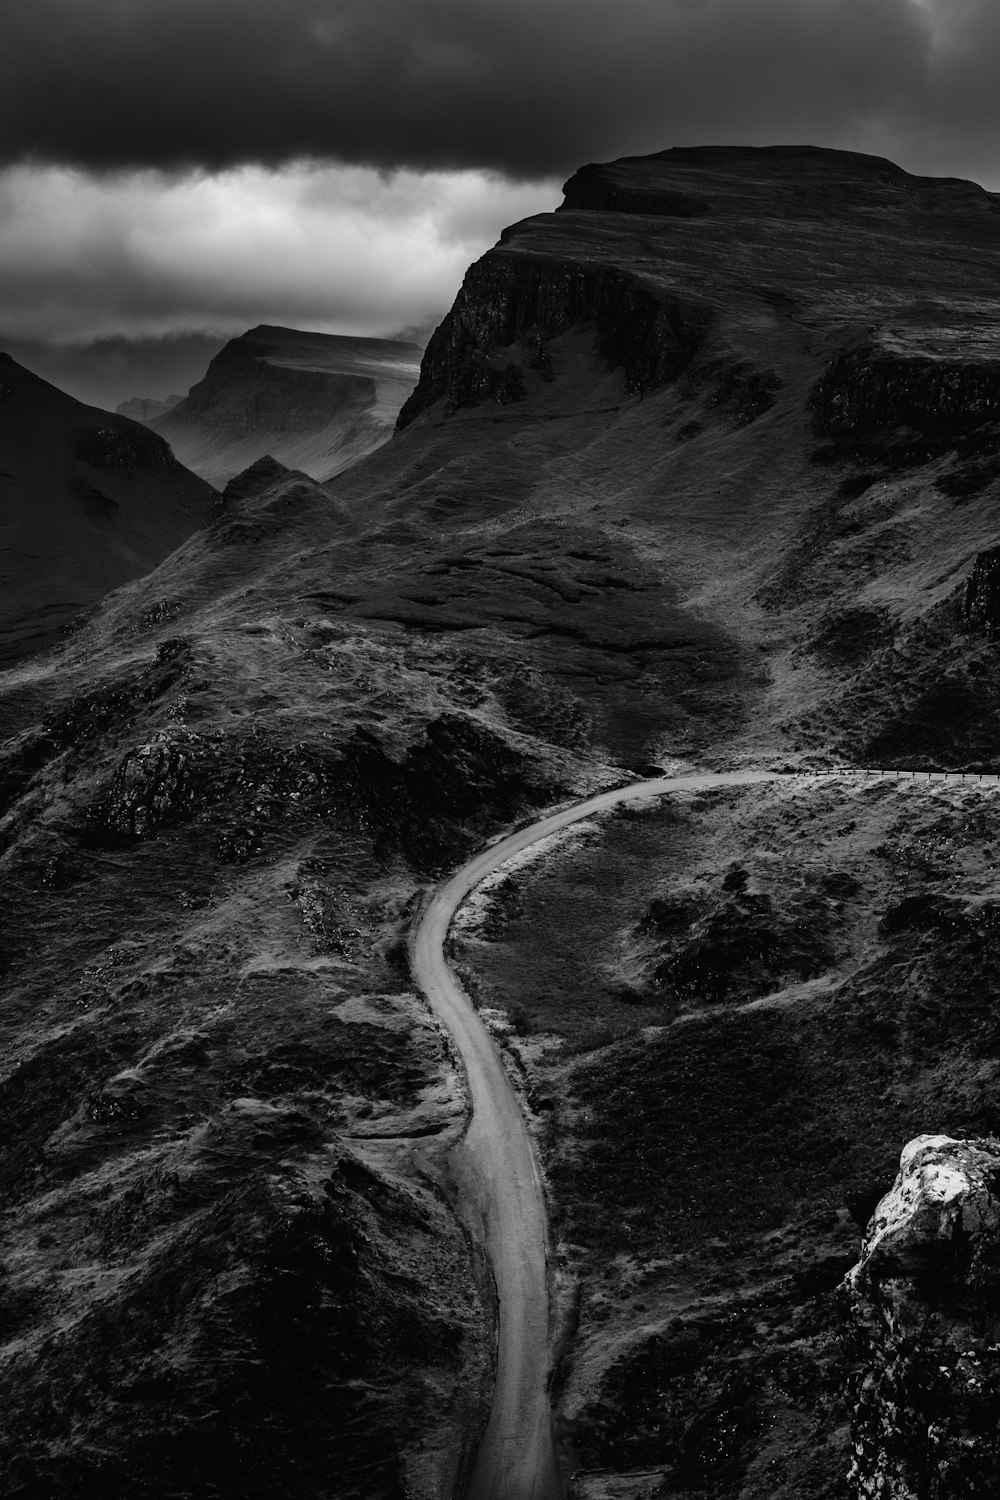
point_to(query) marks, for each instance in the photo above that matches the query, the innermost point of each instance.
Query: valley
(691, 511)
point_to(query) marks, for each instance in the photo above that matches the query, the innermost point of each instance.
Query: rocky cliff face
(981, 600)
(868, 391)
(314, 401)
(509, 299)
(248, 390)
(924, 1315)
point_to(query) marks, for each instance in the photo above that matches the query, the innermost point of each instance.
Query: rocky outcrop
(152, 782)
(981, 600)
(871, 389)
(509, 299)
(924, 1309)
(125, 449)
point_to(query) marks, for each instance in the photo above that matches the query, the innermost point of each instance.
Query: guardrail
(971, 777)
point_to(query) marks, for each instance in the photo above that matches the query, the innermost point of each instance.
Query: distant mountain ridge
(315, 401)
(90, 500)
(147, 408)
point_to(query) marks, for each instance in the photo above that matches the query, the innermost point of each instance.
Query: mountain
(145, 408)
(90, 500)
(700, 473)
(315, 401)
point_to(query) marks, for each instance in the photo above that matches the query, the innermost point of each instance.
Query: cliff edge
(314, 401)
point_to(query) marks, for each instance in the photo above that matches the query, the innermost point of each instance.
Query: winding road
(496, 1166)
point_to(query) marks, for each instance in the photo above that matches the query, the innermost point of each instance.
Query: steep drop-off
(315, 401)
(89, 500)
(697, 473)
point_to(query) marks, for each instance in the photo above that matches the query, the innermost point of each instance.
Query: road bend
(496, 1165)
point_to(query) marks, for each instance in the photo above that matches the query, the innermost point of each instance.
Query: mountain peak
(800, 181)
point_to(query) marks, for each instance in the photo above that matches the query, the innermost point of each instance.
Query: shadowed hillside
(89, 500)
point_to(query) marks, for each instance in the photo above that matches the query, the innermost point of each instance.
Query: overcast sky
(190, 167)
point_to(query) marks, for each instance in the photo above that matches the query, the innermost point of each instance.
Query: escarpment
(940, 401)
(508, 298)
(314, 401)
(276, 400)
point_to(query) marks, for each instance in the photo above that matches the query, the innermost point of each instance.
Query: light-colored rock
(924, 1312)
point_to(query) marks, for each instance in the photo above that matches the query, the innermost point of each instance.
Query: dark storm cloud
(87, 260)
(525, 87)
(108, 371)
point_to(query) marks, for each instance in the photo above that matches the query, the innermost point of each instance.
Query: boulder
(923, 1307)
(151, 783)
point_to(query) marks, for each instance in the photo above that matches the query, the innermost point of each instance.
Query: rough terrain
(922, 1310)
(698, 475)
(316, 401)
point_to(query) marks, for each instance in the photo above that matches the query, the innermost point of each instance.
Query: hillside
(90, 500)
(146, 408)
(315, 401)
(699, 472)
